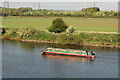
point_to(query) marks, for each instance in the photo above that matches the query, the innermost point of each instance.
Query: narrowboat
(68, 52)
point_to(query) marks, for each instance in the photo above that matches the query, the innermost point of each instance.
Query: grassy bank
(77, 38)
(81, 24)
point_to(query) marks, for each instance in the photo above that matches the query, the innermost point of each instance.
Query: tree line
(86, 12)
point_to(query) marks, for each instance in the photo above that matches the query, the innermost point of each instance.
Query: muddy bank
(55, 42)
(26, 40)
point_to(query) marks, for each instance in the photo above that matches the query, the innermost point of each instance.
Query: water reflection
(28, 45)
(32, 45)
(72, 58)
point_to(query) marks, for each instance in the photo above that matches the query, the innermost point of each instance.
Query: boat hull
(65, 54)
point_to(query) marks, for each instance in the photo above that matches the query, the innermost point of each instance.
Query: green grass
(81, 24)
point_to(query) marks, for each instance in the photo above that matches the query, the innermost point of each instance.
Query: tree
(58, 26)
(25, 9)
(90, 10)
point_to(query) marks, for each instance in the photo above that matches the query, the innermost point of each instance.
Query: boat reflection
(73, 58)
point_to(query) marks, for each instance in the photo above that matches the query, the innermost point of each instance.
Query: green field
(81, 24)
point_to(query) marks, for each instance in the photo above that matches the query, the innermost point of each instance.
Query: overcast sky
(104, 5)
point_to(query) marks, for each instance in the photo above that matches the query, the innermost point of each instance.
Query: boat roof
(65, 49)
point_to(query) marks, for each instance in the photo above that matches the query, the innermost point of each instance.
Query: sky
(62, 0)
(104, 5)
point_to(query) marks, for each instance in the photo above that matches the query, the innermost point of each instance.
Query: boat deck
(66, 51)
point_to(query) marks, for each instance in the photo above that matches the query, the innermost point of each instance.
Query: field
(81, 24)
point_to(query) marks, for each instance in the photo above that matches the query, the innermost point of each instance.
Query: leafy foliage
(91, 9)
(26, 31)
(86, 12)
(64, 38)
(3, 31)
(58, 26)
(25, 9)
(70, 30)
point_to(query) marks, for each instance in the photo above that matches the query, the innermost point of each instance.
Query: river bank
(29, 34)
(55, 42)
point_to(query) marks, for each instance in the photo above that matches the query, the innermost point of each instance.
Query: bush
(58, 26)
(91, 9)
(64, 38)
(3, 31)
(26, 31)
(70, 30)
(25, 9)
(10, 34)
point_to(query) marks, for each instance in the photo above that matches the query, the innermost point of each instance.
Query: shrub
(25, 9)
(91, 9)
(26, 31)
(58, 26)
(77, 39)
(64, 38)
(11, 34)
(3, 31)
(70, 30)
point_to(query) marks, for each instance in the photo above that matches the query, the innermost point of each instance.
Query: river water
(24, 60)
